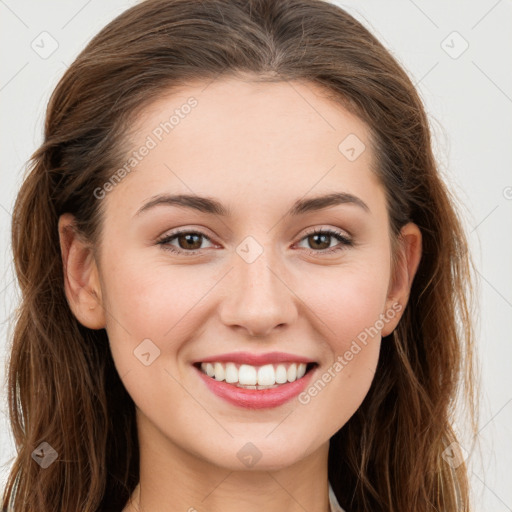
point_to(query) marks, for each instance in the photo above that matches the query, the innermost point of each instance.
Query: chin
(261, 453)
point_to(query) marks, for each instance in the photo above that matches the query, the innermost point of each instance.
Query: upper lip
(256, 359)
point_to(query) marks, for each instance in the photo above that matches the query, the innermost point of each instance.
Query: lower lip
(257, 398)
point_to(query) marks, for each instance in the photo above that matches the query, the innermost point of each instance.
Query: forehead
(249, 139)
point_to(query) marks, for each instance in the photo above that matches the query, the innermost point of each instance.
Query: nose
(258, 299)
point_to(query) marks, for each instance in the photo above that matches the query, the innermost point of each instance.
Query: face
(265, 281)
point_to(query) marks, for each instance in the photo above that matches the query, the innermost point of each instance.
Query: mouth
(246, 376)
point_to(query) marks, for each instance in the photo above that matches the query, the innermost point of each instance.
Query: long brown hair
(63, 387)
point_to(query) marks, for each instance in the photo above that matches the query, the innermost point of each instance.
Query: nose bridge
(258, 298)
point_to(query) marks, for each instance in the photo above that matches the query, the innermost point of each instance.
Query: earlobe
(81, 278)
(408, 256)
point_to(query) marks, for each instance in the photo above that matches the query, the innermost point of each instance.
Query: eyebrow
(214, 207)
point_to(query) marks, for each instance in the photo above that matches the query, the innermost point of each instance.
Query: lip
(256, 359)
(256, 398)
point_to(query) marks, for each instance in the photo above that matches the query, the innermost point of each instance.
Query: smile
(255, 387)
(248, 376)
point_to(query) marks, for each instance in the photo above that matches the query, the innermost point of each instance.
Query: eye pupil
(324, 244)
(189, 240)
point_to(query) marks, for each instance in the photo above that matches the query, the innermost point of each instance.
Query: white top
(333, 502)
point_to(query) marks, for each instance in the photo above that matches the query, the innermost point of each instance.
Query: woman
(242, 275)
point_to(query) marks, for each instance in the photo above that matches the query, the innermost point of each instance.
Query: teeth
(281, 374)
(247, 375)
(254, 377)
(292, 373)
(220, 373)
(266, 375)
(231, 373)
(210, 371)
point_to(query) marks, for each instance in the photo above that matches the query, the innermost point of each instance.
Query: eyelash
(345, 242)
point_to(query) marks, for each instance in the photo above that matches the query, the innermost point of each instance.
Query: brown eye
(319, 241)
(188, 242)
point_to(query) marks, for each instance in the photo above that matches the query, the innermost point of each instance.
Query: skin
(256, 148)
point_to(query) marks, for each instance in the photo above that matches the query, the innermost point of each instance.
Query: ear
(408, 255)
(81, 277)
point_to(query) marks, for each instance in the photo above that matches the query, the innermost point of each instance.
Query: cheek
(157, 302)
(347, 302)
(349, 311)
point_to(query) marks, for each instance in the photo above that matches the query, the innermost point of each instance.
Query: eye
(189, 242)
(320, 241)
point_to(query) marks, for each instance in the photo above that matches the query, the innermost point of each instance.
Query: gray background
(467, 92)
